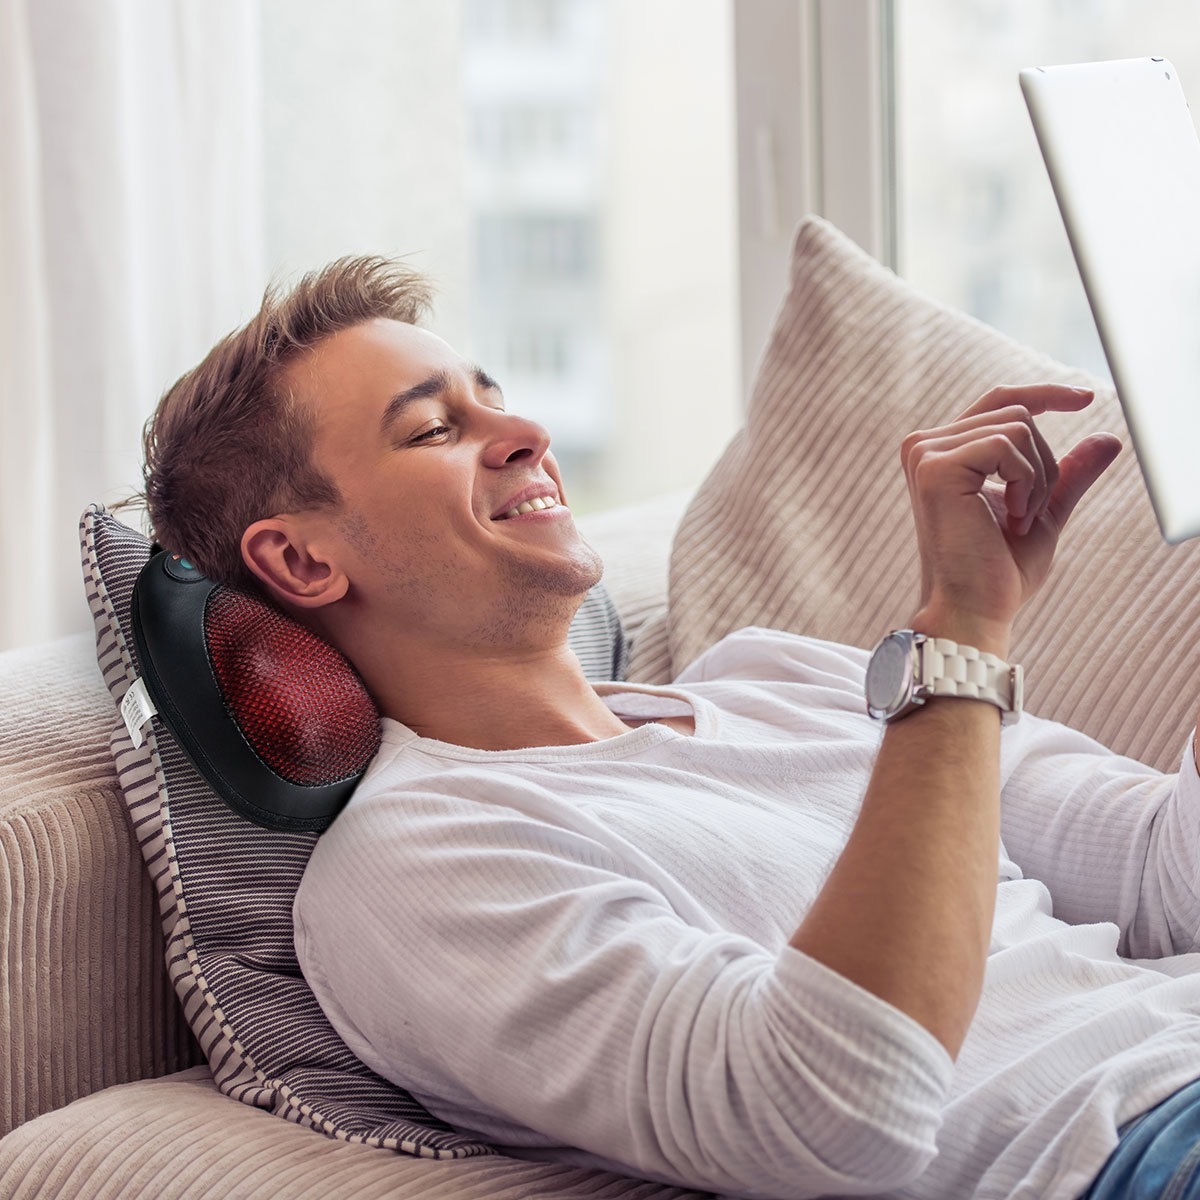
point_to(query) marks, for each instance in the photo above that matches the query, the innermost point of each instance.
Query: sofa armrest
(84, 998)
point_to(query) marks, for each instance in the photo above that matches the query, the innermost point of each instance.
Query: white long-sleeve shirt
(579, 953)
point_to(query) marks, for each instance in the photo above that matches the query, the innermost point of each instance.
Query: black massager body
(275, 719)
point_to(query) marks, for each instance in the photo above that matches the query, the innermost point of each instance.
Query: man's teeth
(534, 505)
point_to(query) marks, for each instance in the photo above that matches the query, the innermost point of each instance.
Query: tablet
(1124, 160)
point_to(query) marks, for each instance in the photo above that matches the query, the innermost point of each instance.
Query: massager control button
(181, 569)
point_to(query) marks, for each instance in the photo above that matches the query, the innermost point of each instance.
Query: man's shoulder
(776, 655)
(794, 683)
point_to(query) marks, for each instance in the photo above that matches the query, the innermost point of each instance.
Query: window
(978, 225)
(530, 249)
(902, 121)
(568, 178)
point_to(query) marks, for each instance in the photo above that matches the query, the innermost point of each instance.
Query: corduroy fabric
(84, 997)
(650, 661)
(804, 524)
(180, 1139)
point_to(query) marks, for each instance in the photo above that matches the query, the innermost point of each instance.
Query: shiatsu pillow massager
(273, 717)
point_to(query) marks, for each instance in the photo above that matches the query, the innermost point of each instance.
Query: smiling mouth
(537, 504)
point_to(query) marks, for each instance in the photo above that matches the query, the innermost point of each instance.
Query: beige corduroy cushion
(84, 998)
(804, 522)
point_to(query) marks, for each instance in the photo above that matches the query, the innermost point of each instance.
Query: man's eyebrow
(485, 381)
(437, 383)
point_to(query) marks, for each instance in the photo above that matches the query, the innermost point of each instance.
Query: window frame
(816, 131)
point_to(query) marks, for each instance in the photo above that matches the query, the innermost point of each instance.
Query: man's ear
(292, 571)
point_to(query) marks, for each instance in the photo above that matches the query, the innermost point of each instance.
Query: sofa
(801, 524)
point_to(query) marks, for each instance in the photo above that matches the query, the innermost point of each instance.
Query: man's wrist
(992, 637)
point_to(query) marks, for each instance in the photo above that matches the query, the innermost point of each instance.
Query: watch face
(889, 676)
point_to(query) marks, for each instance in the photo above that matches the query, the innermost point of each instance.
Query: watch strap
(949, 669)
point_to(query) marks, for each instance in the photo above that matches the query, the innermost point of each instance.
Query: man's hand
(987, 546)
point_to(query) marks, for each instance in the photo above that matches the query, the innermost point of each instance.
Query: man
(716, 934)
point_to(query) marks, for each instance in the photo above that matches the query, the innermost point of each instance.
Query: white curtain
(131, 237)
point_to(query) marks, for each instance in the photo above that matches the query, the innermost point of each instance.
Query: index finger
(1036, 397)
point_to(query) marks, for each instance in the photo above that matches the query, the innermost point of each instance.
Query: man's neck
(496, 701)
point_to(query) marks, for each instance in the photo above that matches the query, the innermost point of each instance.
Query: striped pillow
(804, 523)
(225, 889)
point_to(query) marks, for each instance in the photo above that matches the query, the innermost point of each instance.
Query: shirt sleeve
(1112, 839)
(531, 991)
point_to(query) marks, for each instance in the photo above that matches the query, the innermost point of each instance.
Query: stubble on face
(531, 601)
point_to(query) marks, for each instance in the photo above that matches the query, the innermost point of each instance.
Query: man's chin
(569, 575)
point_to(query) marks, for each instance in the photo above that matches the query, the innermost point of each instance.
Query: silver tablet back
(1124, 160)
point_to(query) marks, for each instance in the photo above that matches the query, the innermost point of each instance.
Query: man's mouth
(536, 504)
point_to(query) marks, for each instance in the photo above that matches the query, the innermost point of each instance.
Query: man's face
(453, 521)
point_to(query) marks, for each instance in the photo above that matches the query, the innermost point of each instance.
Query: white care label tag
(136, 709)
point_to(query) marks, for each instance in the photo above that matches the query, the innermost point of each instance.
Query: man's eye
(428, 434)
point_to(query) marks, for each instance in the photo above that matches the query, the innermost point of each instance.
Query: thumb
(1078, 469)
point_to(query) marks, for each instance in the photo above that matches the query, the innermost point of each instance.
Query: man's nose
(515, 439)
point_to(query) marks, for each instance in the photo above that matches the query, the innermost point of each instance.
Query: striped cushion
(225, 890)
(804, 523)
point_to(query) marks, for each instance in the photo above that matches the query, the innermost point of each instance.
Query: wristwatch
(907, 668)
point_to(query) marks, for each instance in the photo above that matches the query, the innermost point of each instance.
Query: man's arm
(1113, 840)
(907, 911)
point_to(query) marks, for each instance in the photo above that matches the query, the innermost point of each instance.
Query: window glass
(978, 224)
(564, 169)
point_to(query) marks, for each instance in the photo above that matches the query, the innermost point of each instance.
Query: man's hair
(230, 444)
